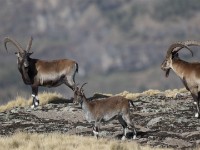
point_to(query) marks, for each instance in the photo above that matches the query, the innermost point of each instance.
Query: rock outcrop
(160, 121)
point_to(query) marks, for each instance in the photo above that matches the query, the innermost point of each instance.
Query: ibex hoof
(134, 137)
(197, 115)
(123, 138)
(33, 106)
(36, 103)
(95, 132)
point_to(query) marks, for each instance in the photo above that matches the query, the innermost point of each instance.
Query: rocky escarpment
(160, 121)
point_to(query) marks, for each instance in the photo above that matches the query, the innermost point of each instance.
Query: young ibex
(37, 72)
(189, 72)
(105, 109)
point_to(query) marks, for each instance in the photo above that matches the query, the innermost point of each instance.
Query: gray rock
(198, 128)
(176, 142)
(159, 120)
(16, 120)
(80, 128)
(145, 110)
(29, 109)
(15, 110)
(161, 96)
(197, 141)
(154, 121)
(72, 109)
(103, 133)
(182, 120)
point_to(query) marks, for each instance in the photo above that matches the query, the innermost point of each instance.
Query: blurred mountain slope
(105, 37)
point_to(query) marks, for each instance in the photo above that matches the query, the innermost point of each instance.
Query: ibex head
(23, 55)
(78, 94)
(172, 54)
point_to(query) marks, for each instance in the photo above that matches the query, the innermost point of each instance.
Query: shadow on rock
(98, 96)
(57, 100)
(140, 134)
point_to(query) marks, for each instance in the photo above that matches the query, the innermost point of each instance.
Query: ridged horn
(189, 43)
(29, 44)
(83, 85)
(180, 46)
(15, 43)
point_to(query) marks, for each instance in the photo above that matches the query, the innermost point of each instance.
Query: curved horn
(7, 39)
(29, 44)
(190, 43)
(76, 86)
(181, 45)
(83, 85)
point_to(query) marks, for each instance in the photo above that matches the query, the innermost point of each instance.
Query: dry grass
(44, 97)
(167, 93)
(52, 141)
(58, 141)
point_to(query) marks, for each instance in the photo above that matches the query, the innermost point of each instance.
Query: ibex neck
(24, 73)
(85, 102)
(179, 66)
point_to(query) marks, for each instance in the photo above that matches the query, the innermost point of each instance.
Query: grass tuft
(58, 141)
(167, 93)
(44, 98)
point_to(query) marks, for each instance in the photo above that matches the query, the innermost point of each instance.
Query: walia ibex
(36, 72)
(189, 72)
(105, 109)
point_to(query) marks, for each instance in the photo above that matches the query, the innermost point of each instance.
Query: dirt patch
(160, 121)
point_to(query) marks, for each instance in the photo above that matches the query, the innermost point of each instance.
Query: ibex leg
(130, 124)
(124, 125)
(96, 129)
(198, 110)
(196, 102)
(35, 97)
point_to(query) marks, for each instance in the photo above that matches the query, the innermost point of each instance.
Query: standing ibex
(105, 109)
(37, 72)
(189, 72)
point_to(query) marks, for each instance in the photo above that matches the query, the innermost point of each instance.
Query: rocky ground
(160, 121)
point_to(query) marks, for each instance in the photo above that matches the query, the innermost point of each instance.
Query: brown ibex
(189, 72)
(105, 109)
(36, 72)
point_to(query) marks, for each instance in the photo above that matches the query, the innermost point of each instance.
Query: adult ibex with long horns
(36, 72)
(189, 72)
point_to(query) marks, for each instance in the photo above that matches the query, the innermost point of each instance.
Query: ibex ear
(17, 54)
(174, 55)
(76, 87)
(82, 91)
(29, 54)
